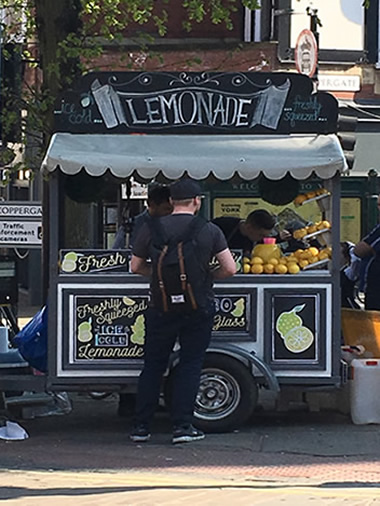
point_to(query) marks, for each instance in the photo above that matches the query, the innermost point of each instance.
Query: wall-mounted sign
(94, 261)
(24, 210)
(20, 224)
(108, 328)
(232, 313)
(20, 233)
(194, 102)
(237, 255)
(306, 53)
(338, 82)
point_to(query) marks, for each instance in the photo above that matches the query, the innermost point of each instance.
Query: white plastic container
(365, 388)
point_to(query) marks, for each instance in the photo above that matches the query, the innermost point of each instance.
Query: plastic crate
(362, 327)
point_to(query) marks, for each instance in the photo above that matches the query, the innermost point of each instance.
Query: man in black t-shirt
(244, 234)
(192, 329)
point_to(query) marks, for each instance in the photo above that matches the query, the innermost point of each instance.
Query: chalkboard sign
(295, 321)
(94, 261)
(195, 102)
(232, 313)
(109, 327)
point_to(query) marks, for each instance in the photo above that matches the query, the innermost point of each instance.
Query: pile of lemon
(311, 229)
(303, 197)
(289, 264)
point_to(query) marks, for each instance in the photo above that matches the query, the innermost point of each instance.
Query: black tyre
(227, 394)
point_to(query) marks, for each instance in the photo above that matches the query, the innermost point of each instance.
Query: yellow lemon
(257, 260)
(310, 195)
(299, 339)
(281, 269)
(298, 253)
(273, 261)
(293, 268)
(312, 260)
(291, 258)
(257, 269)
(268, 268)
(311, 229)
(326, 224)
(303, 263)
(246, 268)
(246, 260)
(283, 261)
(299, 199)
(323, 255)
(314, 251)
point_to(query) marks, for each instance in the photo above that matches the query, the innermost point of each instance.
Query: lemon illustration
(68, 265)
(128, 302)
(138, 328)
(84, 332)
(299, 339)
(71, 255)
(289, 320)
(239, 308)
(69, 262)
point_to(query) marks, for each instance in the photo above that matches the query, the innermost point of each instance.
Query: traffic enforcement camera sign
(20, 224)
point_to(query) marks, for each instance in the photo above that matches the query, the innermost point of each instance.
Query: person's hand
(285, 235)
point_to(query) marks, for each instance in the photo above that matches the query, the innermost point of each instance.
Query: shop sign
(20, 233)
(109, 327)
(94, 261)
(195, 102)
(231, 313)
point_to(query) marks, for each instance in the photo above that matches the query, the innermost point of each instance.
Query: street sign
(28, 210)
(306, 53)
(20, 224)
(20, 233)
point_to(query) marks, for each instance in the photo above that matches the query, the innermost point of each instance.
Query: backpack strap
(161, 283)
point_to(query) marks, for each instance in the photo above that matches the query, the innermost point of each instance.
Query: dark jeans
(162, 329)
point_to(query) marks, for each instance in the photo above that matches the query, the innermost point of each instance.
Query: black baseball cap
(185, 189)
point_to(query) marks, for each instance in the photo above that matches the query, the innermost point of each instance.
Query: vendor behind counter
(244, 234)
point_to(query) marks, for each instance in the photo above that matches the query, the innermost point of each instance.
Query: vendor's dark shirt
(230, 228)
(210, 239)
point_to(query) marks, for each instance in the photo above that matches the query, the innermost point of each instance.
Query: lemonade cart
(274, 325)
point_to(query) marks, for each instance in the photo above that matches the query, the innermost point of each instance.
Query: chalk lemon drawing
(138, 328)
(69, 263)
(84, 332)
(299, 339)
(128, 302)
(289, 325)
(239, 308)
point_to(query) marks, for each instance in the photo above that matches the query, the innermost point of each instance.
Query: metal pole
(314, 29)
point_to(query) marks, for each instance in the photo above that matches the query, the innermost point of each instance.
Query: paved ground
(85, 458)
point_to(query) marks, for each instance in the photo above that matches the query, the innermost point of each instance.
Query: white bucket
(365, 387)
(4, 344)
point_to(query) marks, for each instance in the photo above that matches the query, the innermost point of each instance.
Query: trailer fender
(239, 354)
(252, 359)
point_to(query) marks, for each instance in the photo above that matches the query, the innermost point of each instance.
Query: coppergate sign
(192, 102)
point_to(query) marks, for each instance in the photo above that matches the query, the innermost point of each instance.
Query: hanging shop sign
(194, 102)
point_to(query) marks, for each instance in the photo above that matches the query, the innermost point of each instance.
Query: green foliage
(60, 39)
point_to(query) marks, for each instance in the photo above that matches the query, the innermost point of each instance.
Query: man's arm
(227, 265)
(362, 250)
(140, 266)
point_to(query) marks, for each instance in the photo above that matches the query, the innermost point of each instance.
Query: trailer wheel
(227, 394)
